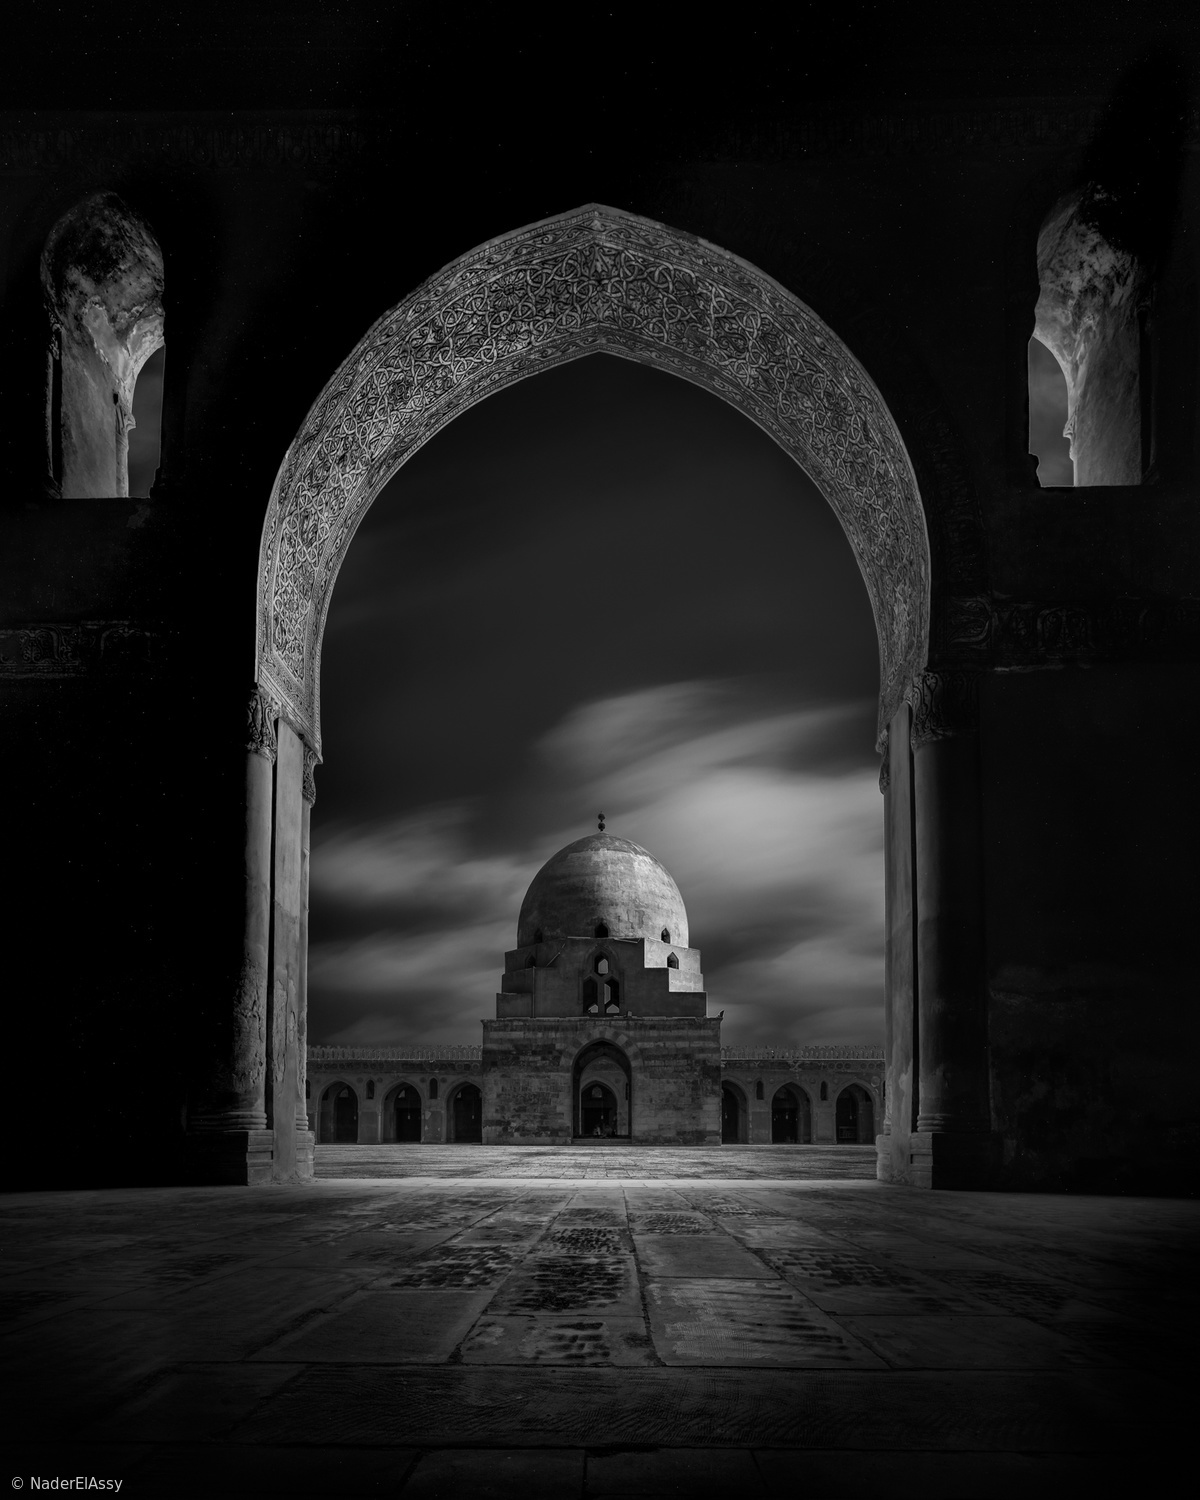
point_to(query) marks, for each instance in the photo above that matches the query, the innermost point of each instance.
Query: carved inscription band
(589, 281)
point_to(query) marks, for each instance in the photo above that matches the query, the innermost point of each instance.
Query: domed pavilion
(601, 1028)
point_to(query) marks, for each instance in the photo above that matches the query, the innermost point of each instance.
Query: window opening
(1090, 320)
(433, 1088)
(672, 961)
(824, 1090)
(102, 276)
(612, 997)
(758, 1089)
(591, 996)
(370, 1088)
(145, 427)
(600, 964)
(666, 934)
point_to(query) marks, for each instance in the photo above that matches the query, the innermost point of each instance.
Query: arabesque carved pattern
(593, 280)
(944, 705)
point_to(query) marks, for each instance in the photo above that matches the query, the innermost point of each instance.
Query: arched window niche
(1090, 319)
(102, 278)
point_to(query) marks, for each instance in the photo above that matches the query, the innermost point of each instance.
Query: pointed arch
(593, 280)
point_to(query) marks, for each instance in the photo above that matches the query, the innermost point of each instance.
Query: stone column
(284, 990)
(951, 1146)
(228, 1139)
(900, 1006)
(305, 1135)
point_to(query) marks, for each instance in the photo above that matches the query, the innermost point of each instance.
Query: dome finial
(600, 821)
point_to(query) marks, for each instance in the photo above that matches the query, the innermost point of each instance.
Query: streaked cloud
(770, 822)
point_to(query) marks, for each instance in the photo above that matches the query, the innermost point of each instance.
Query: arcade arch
(464, 1114)
(338, 1119)
(791, 1116)
(595, 280)
(854, 1116)
(735, 1115)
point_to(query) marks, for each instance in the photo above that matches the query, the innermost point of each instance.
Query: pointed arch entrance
(593, 280)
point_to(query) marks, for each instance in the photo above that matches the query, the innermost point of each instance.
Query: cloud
(769, 820)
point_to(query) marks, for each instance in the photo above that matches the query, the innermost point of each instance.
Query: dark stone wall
(675, 1078)
(127, 629)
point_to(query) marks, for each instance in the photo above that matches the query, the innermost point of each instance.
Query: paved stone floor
(601, 1159)
(587, 1337)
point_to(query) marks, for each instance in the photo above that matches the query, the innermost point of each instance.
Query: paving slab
(958, 1411)
(572, 1284)
(192, 1405)
(729, 1323)
(663, 1255)
(403, 1327)
(962, 1342)
(496, 1475)
(689, 1473)
(550, 1340)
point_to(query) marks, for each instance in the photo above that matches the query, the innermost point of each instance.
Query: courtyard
(596, 1322)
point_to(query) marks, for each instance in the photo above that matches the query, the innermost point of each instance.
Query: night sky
(602, 588)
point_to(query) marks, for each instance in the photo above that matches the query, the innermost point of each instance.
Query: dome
(602, 879)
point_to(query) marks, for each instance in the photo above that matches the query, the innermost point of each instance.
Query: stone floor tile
(966, 1342)
(734, 1323)
(572, 1284)
(845, 1475)
(579, 1340)
(677, 1221)
(219, 1470)
(778, 1232)
(58, 1458)
(192, 1405)
(497, 1474)
(663, 1255)
(405, 1327)
(664, 1473)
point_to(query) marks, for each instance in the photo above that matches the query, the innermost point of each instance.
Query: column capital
(308, 785)
(261, 713)
(944, 706)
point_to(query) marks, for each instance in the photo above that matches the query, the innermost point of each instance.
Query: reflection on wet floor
(426, 1314)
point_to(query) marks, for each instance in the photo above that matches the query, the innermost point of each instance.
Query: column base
(944, 1159)
(241, 1158)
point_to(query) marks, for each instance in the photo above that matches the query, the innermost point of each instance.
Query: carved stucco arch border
(594, 280)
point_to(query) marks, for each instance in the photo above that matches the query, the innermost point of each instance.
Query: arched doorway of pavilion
(338, 1124)
(464, 1114)
(854, 1115)
(601, 1092)
(822, 410)
(735, 1114)
(791, 1117)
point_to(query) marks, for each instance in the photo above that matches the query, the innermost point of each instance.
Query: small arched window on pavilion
(433, 1088)
(531, 961)
(591, 997)
(600, 963)
(370, 1088)
(672, 961)
(601, 929)
(666, 934)
(102, 277)
(537, 937)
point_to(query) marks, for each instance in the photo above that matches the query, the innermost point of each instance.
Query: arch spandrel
(595, 280)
